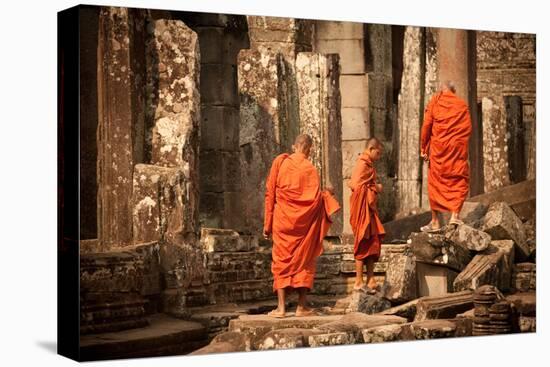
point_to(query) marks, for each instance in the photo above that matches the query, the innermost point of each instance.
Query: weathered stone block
(469, 238)
(354, 90)
(503, 224)
(444, 306)
(434, 329)
(181, 264)
(434, 280)
(436, 249)
(217, 85)
(379, 334)
(321, 340)
(492, 266)
(285, 339)
(367, 303)
(354, 323)
(165, 205)
(355, 124)
(111, 272)
(351, 51)
(400, 284)
(524, 277)
(472, 212)
(173, 64)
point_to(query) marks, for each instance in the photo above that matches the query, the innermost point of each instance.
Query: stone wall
(506, 66)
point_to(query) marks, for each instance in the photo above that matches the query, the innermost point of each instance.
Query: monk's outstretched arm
(426, 132)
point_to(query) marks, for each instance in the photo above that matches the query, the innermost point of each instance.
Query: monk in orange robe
(297, 217)
(365, 223)
(444, 144)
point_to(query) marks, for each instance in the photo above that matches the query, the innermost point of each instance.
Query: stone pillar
(495, 145)
(380, 106)
(431, 84)
(221, 37)
(410, 117)
(286, 36)
(516, 142)
(319, 97)
(260, 135)
(116, 120)
(456, 53)
(347, 39)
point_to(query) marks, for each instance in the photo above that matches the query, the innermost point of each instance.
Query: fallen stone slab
(224, 343)
(469, 237)
(400, 283)
(433, 329)
(406, 310)
(385, 333)
(321, 340)
(492, 266)
(254, 327)
(285, 339)
(354, 323)
(435, 248)
(443, 307)
(503, 224)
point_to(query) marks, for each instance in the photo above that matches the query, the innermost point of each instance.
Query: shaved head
(303, 141)
(373, 143)
(448, 85)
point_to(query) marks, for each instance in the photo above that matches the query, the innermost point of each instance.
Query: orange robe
(445, 134)
(297, 214)
(365, 223)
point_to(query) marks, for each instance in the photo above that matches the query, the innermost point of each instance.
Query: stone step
(165, 336)
(443, 307)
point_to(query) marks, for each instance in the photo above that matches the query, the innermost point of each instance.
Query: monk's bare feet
(277, 313)
(358, 286)
(304, 311)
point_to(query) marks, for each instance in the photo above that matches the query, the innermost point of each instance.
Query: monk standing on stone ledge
(367, 228)
(444, 144)
(297, 216)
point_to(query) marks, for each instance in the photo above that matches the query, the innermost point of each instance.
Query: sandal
(275, 314)
(458, 222)
(430, 229)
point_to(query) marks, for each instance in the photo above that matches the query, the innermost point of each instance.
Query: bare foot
(304, 311)
(277, 313)
(358, 286)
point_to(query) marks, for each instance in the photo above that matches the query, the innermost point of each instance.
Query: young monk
(444, 144)
(297, 217)
(367, 228)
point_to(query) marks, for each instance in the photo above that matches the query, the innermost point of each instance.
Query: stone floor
(164, 336)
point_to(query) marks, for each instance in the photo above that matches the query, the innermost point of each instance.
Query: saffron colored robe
(365, 223)
(445, 134)
(297, 214)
